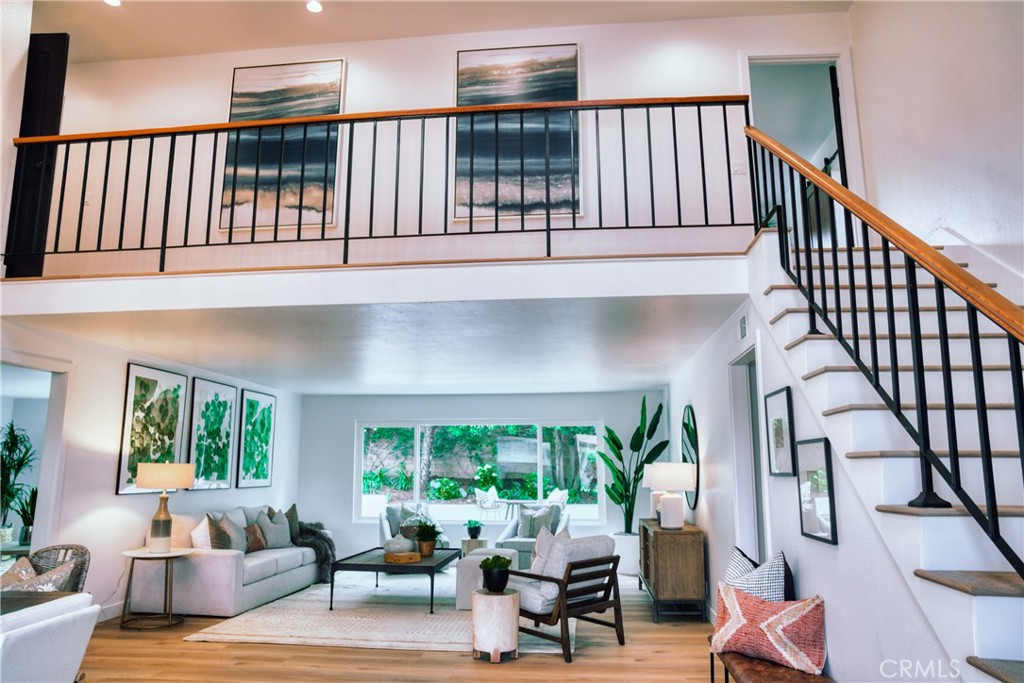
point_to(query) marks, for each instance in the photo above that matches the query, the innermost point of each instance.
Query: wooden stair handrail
(980, 295)
(390, 115)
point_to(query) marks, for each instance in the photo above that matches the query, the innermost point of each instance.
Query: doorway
(750, 516)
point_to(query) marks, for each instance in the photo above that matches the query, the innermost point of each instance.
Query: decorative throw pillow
(254, 540)
(788, 633)
(225, 534)
(237, 515)
(54, 580)
(275, 531)
(292, 515)
(201, 534)
(542, 548)
(768, 582)
(252, 513)
(532, 521)
(22, 570)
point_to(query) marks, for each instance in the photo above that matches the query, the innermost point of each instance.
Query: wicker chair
(53, 556)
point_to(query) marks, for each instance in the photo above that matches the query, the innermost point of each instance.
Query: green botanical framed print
(212, 433)
(256, 439)
(152, 431)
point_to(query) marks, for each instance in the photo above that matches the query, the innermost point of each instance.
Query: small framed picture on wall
(817, 491)
(778, 420)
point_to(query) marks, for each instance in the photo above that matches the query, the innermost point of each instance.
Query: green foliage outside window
(445, 488)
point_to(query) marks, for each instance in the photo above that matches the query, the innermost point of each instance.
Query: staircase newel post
(927, 498)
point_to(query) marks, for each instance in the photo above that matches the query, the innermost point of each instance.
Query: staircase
(916, 339)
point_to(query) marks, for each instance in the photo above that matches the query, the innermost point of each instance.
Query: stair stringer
(943, 610)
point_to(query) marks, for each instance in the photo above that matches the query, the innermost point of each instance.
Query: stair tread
(901, 368)
(994, 584)
(915, 454)
(955, 511)
(824, 336)
(907, 407)
(1005, 670)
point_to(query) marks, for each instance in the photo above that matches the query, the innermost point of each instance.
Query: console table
(672, 565)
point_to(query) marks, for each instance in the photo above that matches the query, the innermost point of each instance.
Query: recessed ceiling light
(313, 6)
(113, 3)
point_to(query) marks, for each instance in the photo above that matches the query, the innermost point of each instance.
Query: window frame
(417, 424)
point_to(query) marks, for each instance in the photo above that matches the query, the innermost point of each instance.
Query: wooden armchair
(588, 586)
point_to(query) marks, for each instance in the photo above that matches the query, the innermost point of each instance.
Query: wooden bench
(746, 669)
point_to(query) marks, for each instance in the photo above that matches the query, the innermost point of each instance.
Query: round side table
(166, 618)
(496, 625)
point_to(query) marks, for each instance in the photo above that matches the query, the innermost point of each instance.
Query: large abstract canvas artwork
(517, 165)
(286, 174)
(152, 431)
(256, 447)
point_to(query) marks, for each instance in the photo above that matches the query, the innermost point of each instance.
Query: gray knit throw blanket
(311, 535)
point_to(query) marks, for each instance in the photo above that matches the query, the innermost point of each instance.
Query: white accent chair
(390, 522)
(488, 501)
(46, 642)
(510, 538)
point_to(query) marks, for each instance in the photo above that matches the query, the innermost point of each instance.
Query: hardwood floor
(674, 650)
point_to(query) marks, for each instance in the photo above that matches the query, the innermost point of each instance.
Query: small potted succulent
(473, 528)
(495, 570)
(426, 537)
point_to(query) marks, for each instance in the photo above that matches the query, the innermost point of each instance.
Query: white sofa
(46, 643)
(221, 583)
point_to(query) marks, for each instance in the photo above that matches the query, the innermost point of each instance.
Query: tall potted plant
(16, 458)
(627, 470)
(26, 509)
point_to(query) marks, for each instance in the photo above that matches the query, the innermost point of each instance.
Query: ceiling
(462, 347)
(154, 28)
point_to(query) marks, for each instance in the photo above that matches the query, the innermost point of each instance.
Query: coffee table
(373, 561)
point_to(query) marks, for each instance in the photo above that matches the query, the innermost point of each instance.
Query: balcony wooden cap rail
(980, 295)
(439, 112)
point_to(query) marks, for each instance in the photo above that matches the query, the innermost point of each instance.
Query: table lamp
(656, 480)
(673, 477)
(163, 475)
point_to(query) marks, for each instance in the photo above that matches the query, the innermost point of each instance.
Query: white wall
(940, 117)
(871, 614)
(328, 445)
(15, 27)
(88, 511)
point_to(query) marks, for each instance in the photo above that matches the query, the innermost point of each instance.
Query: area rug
(393, 616)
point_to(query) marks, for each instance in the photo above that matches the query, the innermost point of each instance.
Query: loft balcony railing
(532, 181)
(887, 298)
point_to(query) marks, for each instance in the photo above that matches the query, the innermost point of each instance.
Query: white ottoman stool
(469, 576)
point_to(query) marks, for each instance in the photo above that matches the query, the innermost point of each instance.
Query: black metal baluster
(373, 180)
(472, 165)
(348, 189)
(927, 497)
(984, 440)
(167, 203)
(497, 170)
(876, 377)
(728, 164)
(625, 173)
(213, 177)
(675, 153)
(280, 172)
(423, 143)
(398, 173)
(327, 186)
(822, 277)
(766, 181)
(60, 200)
(547, 180)
(890, 316)
(947, 385)
(812, 325)
(256, 184)
(785, 215)
(703, 168)
(650, 163)
(145, 197)
(124, 195)
(573, 171)
(597, 146)
(835, 266)
(1017, 384)
(797, 241)
(302, 181)
(81, 202)
(854, 312)
(103, 197)
(447, 165)
(234, 187)
(188, 192)
(750, 162)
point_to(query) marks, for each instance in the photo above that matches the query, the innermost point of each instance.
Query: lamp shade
(165, 475)
(671, 476)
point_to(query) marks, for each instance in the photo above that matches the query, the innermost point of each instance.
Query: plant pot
(6, 534)
(495, 580)
(474, 531)
(427, 548)
(26, 536)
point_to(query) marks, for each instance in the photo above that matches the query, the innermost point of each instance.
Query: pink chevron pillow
(788, 633)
